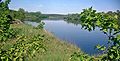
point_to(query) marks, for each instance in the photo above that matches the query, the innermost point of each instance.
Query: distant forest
(55, 16)
(23, 15)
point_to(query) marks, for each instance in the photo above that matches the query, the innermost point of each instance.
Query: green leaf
(118, 37)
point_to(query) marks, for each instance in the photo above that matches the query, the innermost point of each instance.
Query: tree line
(23, 15)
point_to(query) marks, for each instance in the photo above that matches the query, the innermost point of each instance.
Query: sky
(64, 6)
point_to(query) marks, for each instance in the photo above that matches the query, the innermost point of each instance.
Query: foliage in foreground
(81, 57)
(109, 25)
(5, 31)
(56, 50)
(22, 49)
(23, 46)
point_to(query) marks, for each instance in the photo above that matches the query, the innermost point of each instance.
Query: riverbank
(56, 50)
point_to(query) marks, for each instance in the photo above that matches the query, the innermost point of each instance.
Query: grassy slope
(56, 50)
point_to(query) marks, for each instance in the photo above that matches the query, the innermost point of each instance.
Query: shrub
(22, 49)
(41, 25)
(5, 31)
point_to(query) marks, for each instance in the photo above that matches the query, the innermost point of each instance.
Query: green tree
(108, 24)
(73, 18)
(5, 19)
(24, 47)
(21, 14)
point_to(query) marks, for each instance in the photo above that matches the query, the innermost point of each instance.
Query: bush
(108, 24)
(22, 49)
(41, 25)
(5, 31)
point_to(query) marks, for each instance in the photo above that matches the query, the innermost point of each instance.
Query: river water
(71, 33)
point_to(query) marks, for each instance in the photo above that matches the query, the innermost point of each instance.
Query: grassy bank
(56, 50)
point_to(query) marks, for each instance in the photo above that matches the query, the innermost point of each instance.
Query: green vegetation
(55, 16)
(29, 43)
(55, 49)
(23, 15)
(21, 49)
(73, 18)
(35, 16)
(22, 46)
(41, 25)
(20, 14)
(5, 31)
(109, 25)
(20, 42)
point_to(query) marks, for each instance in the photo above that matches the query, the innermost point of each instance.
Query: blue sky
(64, 6)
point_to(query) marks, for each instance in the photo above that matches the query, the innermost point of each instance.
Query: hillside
(56, 50)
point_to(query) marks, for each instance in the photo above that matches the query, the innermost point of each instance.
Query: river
(71, 33)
